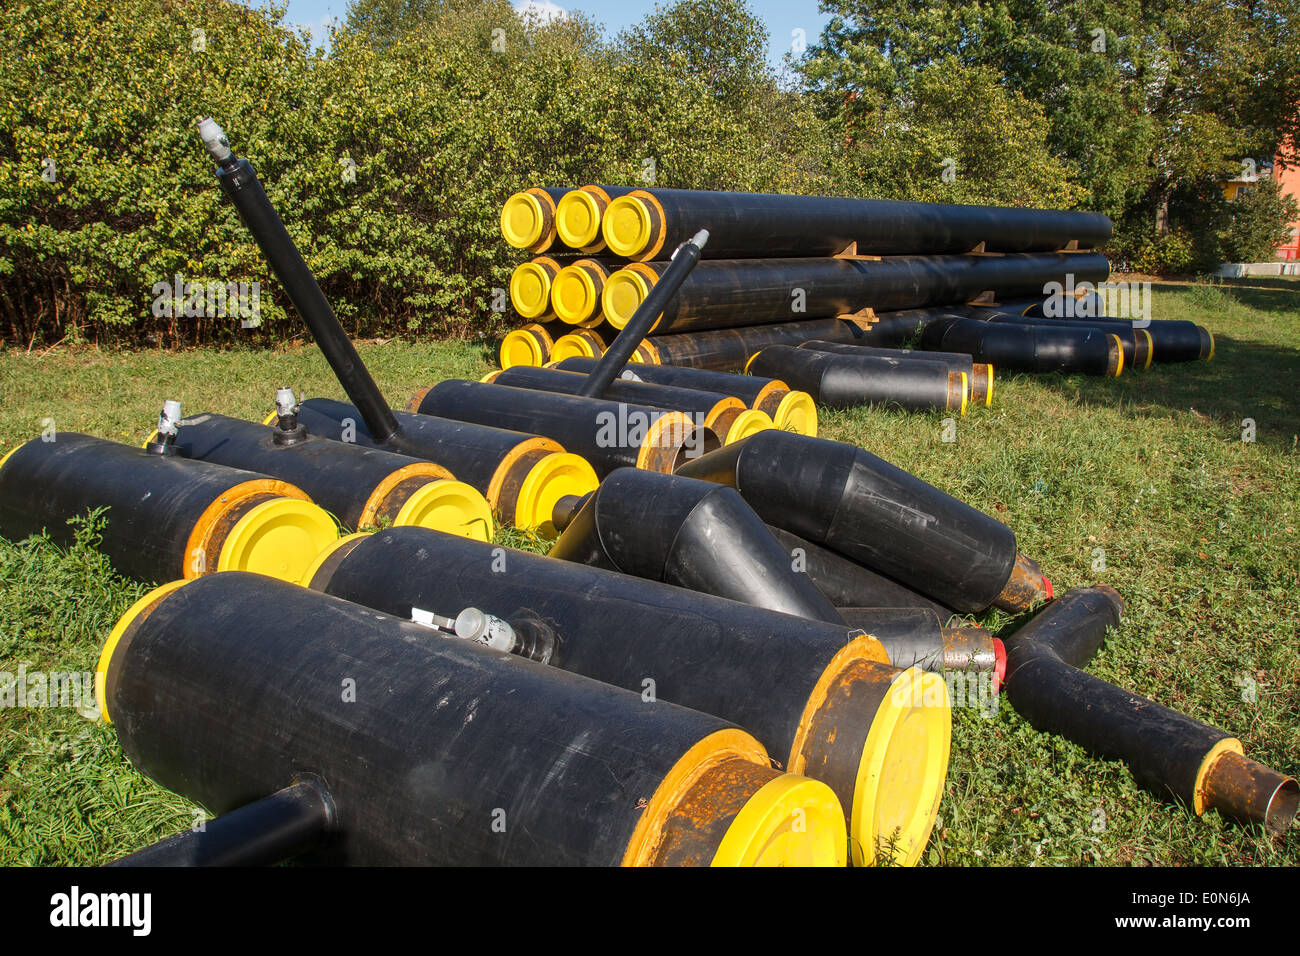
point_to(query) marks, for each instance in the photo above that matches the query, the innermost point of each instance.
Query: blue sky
(783, 17)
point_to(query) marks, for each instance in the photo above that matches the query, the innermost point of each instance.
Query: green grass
(1199, 529)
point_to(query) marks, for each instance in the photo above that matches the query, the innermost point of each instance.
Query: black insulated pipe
(438, 750)
(1034, 348)
(608, 434)
(239, 181)
(644, 223)
(844, 381)
(1137, 342)
(877, 514)
(742, 292)
(694, 534)
(979, 374)
(761, 394)
(1172, 340)
(914, 637)
(271, 830)
(1168, 753)
(638, 325)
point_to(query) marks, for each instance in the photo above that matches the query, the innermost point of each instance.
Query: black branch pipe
(168, 516)
(438, 750)
(1169, 753)
(1032, 348)
(978, 374)
(844, 381)
(730, 349)
(847, 583)
(877, 514)
(362, 486)
(726, 415)
(609, 434)
(694, 534)
(647, 222)
(821, 697)
(637, 325)
(522, 476)
(740, 292)
(1136, 341)
(275, 828)
(239, 182)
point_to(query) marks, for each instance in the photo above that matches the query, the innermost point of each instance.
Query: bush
(1257, 223)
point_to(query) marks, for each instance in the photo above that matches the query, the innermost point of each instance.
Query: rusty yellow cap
(279, 538)
(577, 219)
(523, 220)
(789, 821)
(449, 506)
(556, 476)
(627, 227)
(902, 771)
(530, 290)
(797, 413)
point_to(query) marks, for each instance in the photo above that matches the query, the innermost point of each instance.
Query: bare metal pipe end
(1025, 587)
(1248, 791)
(214, 138)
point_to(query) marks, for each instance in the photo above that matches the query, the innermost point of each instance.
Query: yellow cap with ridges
(449, 506)
(625, 290)
(748, 423)
(145, 603)
(575, 346)
(530, 289)
(902, 771)
(988, 393)
(797, 413)
(627, 226)
(527, 346)
(790, 821)
(556, 476)
(577, 219)
(279, 538)
(574, 295)
(965, 391)
(524, 220)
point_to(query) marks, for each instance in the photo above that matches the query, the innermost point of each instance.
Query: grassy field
(1144, 483)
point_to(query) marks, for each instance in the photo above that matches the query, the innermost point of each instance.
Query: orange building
(1288, 180)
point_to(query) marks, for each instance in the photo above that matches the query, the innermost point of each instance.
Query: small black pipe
(1033, 348)
(694, 534)
(436, 750)
(1168, 753)
(844, 381)
(643, 320)
(609, 434)
(979, 375)
(239, 181)
(276, 828)
(763, 394)
(645, 223)
(1136, 342)
(1172, 340)
(879, 515)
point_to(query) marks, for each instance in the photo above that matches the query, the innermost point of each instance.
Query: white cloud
(544, 11)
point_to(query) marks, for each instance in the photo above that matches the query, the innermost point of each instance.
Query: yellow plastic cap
(521, 347)
(530, 290)
(797, 413)
(573, 346)
(523, 220)
(490, 377)
(119, 629)
(1211, 354)
(449, 506)
(627, 227)
(577, 219)
(554, 477)
(9, 454)
(747, 423)
(279, 538)
(1151, 347)
(574, 296)
(902, 771)
(328, 552)
(625, 290)
(965, 391)
(789, 821)
(988, 394)
(749, 362)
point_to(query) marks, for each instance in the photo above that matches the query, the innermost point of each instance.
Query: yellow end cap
(965, 391)
(554, 477)
(577, 219)
(1119, 365)
(490, 377)
(449, 506)
(1151, 347)
(797, 413)
(124, 622)
(749, 362)
(530, 290)
(328, 552)
(626, 226)
(573, 346)
(789, 821)
(279, 538)
(522, 220)
(1220, 747)
(573, 295)
(747, 423)
(624, 292)
(988, 394)
(902, 771)
(10, 453)
(1211, 335)
(521, 347)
